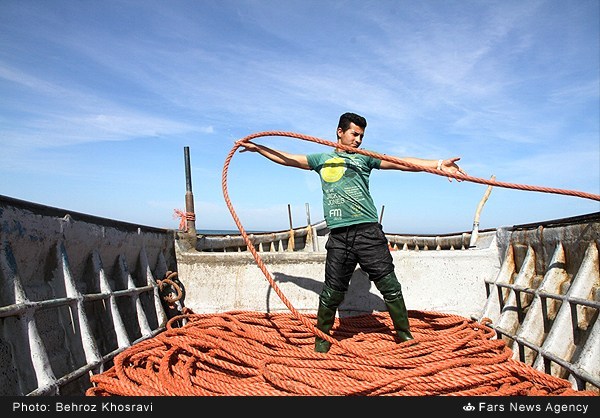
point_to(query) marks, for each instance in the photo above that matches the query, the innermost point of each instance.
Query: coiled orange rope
(271, 354)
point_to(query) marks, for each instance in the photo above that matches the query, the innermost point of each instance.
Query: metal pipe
(189, 196)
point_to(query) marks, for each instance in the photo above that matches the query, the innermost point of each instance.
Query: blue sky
(99, 98)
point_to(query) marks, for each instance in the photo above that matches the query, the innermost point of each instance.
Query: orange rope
(244, 353)
(272, 354)
(184, 216)
(310, 324)
(457, 176)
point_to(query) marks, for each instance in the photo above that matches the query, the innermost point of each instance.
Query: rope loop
(244, 353)
(309, 324)
(168, 298)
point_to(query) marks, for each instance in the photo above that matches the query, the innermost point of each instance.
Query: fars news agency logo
(468, 407)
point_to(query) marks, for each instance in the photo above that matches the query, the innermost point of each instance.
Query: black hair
(347, 118)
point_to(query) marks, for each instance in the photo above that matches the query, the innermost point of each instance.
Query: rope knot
(184, 216)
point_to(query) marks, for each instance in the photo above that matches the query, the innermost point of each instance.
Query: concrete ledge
(444, 281)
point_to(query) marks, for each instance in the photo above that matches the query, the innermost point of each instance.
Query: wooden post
(310, 235)
(475, 232)
(291, 240)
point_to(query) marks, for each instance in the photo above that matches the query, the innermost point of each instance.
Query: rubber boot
(329, 300)
(394, 301)
(399, 316)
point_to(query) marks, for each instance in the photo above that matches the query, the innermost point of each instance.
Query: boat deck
(78, 291)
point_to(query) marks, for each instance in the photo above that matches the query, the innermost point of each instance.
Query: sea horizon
(224, 232)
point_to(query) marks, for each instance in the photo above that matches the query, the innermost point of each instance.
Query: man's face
(352, 136)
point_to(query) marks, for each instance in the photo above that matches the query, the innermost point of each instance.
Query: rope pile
(244, 353)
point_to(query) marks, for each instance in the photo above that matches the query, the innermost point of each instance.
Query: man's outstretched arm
(279, 157)
(449, 165)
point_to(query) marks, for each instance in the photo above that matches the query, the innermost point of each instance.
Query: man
(356, 237)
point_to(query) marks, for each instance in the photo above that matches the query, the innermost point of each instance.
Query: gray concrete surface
(443, 281)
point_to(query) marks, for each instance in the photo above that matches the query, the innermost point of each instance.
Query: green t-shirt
(345, 184)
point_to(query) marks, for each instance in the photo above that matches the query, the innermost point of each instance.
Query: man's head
(347, 118)
(351, 129)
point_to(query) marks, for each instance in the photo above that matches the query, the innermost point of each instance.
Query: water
(224, 232)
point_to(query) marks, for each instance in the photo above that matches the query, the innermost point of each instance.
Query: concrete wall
(75, 290)
(431, 280)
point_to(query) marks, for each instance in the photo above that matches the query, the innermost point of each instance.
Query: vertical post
(189, 196)
(291, 242)
(311, 230)
(475, 231)
(381, 214)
